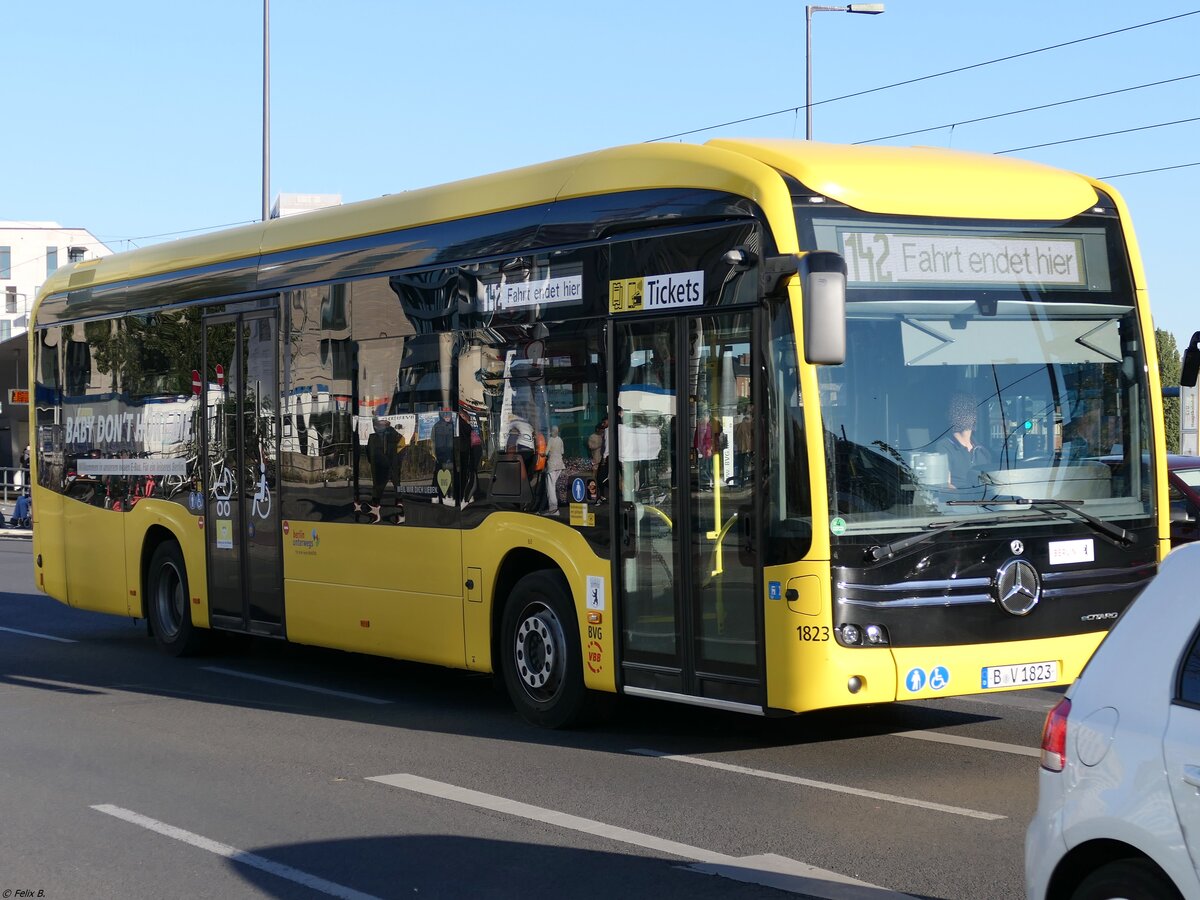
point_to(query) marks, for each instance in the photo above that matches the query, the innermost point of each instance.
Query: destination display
(878, 257)
(518, 294)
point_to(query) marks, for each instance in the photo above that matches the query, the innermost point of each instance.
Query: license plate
(1018, 674)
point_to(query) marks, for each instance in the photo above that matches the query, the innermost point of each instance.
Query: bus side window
(318, 370)
(789, 498)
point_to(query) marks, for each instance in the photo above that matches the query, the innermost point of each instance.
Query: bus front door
(685, 506)
(241, 453)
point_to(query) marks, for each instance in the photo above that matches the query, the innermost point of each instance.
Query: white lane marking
(363, 698)
(938, 738)
(44, 637)
(234, 854)
(767, 869)
(822, 785)
(73, 686)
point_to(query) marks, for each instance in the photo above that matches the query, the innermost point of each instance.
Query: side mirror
(1191, 362)
(823, 284)
(823, 275)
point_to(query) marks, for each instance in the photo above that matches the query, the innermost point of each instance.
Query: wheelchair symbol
(939, 677)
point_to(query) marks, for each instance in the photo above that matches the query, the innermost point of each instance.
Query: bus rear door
(241, 454)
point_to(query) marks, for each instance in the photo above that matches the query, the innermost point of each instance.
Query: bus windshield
(986, 366)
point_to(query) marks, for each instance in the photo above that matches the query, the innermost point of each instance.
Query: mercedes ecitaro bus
(765, 426)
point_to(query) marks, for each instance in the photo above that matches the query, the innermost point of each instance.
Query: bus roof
(928, 181)
(908, 180)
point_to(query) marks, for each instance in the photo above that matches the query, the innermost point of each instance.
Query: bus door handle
(628, 542)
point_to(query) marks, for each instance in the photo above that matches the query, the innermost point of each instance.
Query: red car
(1183, 492)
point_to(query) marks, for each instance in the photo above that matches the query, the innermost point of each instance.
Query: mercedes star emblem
(1018, 587)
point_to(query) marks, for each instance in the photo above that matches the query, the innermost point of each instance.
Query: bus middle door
(241, 453)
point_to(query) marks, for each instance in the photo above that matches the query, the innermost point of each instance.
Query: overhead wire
(37, 259)
(1015, 112)
(796, 109)
(1148, 171)
(920, 78)
(1088, 137)
(186, 231)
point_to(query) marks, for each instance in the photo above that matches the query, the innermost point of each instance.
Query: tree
(1169, 366)
(154, 355)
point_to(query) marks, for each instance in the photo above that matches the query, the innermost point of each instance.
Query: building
(14, 411)
(294, 204)
(29, 252)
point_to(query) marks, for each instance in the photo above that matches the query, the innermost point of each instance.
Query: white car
(1119, 792)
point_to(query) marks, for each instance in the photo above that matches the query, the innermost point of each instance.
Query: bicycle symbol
(223, 493)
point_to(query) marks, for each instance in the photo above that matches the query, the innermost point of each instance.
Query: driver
(965, 456)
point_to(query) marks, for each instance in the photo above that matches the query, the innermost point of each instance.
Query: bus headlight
(850, 635)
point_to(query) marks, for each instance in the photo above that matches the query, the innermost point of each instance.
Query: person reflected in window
(443, 452)
(966, 457)
(598, 445)
(706, 443)
(595, 444)
(383, 456)
(743, 447)
(554, 468)
(470, 453)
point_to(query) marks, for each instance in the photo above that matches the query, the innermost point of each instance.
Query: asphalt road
(263, 769)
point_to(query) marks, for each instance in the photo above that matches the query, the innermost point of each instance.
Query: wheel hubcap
(539, 650)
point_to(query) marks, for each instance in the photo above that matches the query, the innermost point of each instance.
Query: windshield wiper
(1115, 533)
(933, 529)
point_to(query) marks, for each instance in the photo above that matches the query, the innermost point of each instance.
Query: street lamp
(266, 110)
(866, 9)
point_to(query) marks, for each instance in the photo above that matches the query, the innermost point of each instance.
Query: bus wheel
(540, 654)
(167, 601)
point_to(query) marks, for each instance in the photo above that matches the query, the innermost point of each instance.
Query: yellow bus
(759, 425)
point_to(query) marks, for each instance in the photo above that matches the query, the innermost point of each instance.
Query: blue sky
(139, 119)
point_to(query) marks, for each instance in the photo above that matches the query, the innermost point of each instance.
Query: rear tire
(540, 653)
(168, 602)
(1127, 879)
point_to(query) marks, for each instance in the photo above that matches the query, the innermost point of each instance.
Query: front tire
(167, 601)
(1126, 879)
(540, 653)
